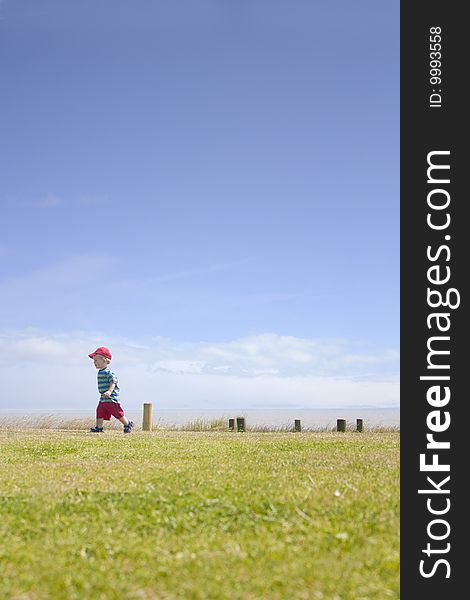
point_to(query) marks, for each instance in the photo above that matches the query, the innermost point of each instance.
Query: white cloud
(253, 355)
(50, 201)
(208, 269)
(178, 366)
(257, 371)
(75, 269)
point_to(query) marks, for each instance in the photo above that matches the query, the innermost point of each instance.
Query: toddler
(109, 390)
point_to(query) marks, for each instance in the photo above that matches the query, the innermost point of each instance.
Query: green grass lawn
(198, 515)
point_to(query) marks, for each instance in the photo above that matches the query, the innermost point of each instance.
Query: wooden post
(359, 425)
(147, 420)
(297, 425)
(231, 424)
(240, 423)
(340, 424)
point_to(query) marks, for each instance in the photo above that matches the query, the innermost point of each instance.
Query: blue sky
(209, 188)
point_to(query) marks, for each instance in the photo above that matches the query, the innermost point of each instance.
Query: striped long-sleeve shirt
(105, 378)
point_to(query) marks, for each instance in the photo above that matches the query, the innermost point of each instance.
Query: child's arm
(108, 393)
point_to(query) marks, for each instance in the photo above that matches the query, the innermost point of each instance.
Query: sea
(278, 417)
(266, 417)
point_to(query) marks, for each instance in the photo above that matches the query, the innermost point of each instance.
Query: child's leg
(128, 425)
(118, 413)
(100, 415)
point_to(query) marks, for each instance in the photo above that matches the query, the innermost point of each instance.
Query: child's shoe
(96, 430)
(128, 427)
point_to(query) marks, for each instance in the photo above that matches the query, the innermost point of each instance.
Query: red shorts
(105, 410)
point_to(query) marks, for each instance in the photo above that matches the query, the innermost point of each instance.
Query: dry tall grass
(51, 421)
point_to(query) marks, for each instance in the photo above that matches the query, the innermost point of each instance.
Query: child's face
(100, 361)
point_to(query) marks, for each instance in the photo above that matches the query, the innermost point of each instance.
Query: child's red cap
(103, 351)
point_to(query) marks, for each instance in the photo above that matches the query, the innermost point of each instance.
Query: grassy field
(199, 515)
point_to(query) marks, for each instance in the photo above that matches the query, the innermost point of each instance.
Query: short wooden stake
(359, 425)
(297, 425)
(231, 424)
(240, 423)
(147, 420)
(341, 425)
